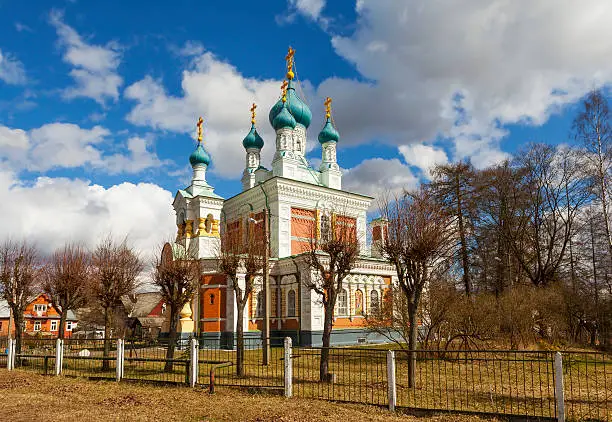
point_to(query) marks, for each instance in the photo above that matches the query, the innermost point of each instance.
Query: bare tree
(593, 128)
(19, 268)
(66, 277)
(176, 274)
(242, 253)
(115, 270)
(417, 242)
(332, 254)
(453, 186)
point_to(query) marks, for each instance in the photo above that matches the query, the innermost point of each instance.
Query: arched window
(374, 301)
(358, 302)
(341, 302)
(209, 222)
(325, 228)
(291, 303)
(259, 312)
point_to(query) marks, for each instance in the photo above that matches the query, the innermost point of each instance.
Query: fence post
(59, 355)
(288, 367)
(10, 361)
(391, 387)
(559, 393)
(119, 364)
(122, 358)
(193, 361)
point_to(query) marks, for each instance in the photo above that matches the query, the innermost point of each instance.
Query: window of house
(374, 301)
(212, 299)
(36, 325)
(53, 325)
(40, 307)
(341, 303)
(259, 311)
(291, 303)
(70, 325)
(0, 325)
(358, 302)
(325, 228)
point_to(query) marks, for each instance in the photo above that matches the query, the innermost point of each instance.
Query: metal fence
(522, 383)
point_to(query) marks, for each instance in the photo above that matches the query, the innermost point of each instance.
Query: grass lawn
(27, 396)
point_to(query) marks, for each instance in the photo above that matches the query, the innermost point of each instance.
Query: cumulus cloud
(377, 177)
(76, 210)
(216, 90)
(94, 66)
(12, 71)
(66, 145)
(504, 62)
(308, 8)
(424, 157)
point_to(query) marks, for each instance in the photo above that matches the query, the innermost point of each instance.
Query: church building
(298, 201)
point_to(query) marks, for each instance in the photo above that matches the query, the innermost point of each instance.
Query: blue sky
(98, 100)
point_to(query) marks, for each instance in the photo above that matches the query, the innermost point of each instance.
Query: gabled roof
(5, 310)
(145, 303)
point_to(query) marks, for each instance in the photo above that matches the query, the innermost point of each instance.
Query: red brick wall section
(302, 229)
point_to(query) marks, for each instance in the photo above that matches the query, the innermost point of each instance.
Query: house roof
(145, 303)
(5, 311)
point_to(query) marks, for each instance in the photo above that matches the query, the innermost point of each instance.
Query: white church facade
(298, 200)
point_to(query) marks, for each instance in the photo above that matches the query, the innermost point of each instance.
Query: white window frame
(37, 325)
(54, 325)
(40, 307)
(342, 303)
(70, 325)
(291, 308)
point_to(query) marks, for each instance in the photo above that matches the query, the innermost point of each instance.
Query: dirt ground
(29, 397)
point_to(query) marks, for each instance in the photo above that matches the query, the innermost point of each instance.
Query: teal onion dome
(298, 109)
(253, 140)
(199, 156)
(283, 119)
(328, 133)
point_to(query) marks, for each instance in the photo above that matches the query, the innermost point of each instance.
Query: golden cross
(327, 103)
(289, 58)
(253, 107)
(199, 125)
(284, 90)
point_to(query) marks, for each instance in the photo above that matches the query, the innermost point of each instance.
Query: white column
(391, 388)
(288, 367)
(193, 362)
(59, 356)
(559, 393)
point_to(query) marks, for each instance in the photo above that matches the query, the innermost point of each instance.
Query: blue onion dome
(328, 133)
(253, 140)
(296, 106)
(283, 119)
(199, 156)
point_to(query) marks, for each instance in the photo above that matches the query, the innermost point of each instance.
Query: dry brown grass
(26, 396)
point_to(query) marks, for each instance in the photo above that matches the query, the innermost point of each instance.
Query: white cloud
(218, 92)
(309, 8)
(20, 27)
(66, 145)
(11, 70)
(509, 62)
(423, 156)
(94, 66)
(52, 211)
(376, 177)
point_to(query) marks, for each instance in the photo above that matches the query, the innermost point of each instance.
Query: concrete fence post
(288, 360)
(193, 362)
(119, 357)
(59, 356)
(391, 387)
(559, 392)
(122, 358)
(10, 359)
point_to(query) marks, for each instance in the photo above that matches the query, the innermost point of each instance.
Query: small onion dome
(298, 109)
(199, 156)
(328, 133)
(283, 119)
(253, 140)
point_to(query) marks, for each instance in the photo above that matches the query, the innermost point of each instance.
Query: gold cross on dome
(289, 58)
(253, 107)
(327, 103)
(199, 125)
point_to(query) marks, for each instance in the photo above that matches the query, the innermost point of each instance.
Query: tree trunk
(171, 339)
(240, 342)
(18, 318)
(327, 329)
(108, 318)
(62, 325)
(412, 344)
(462, 238)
